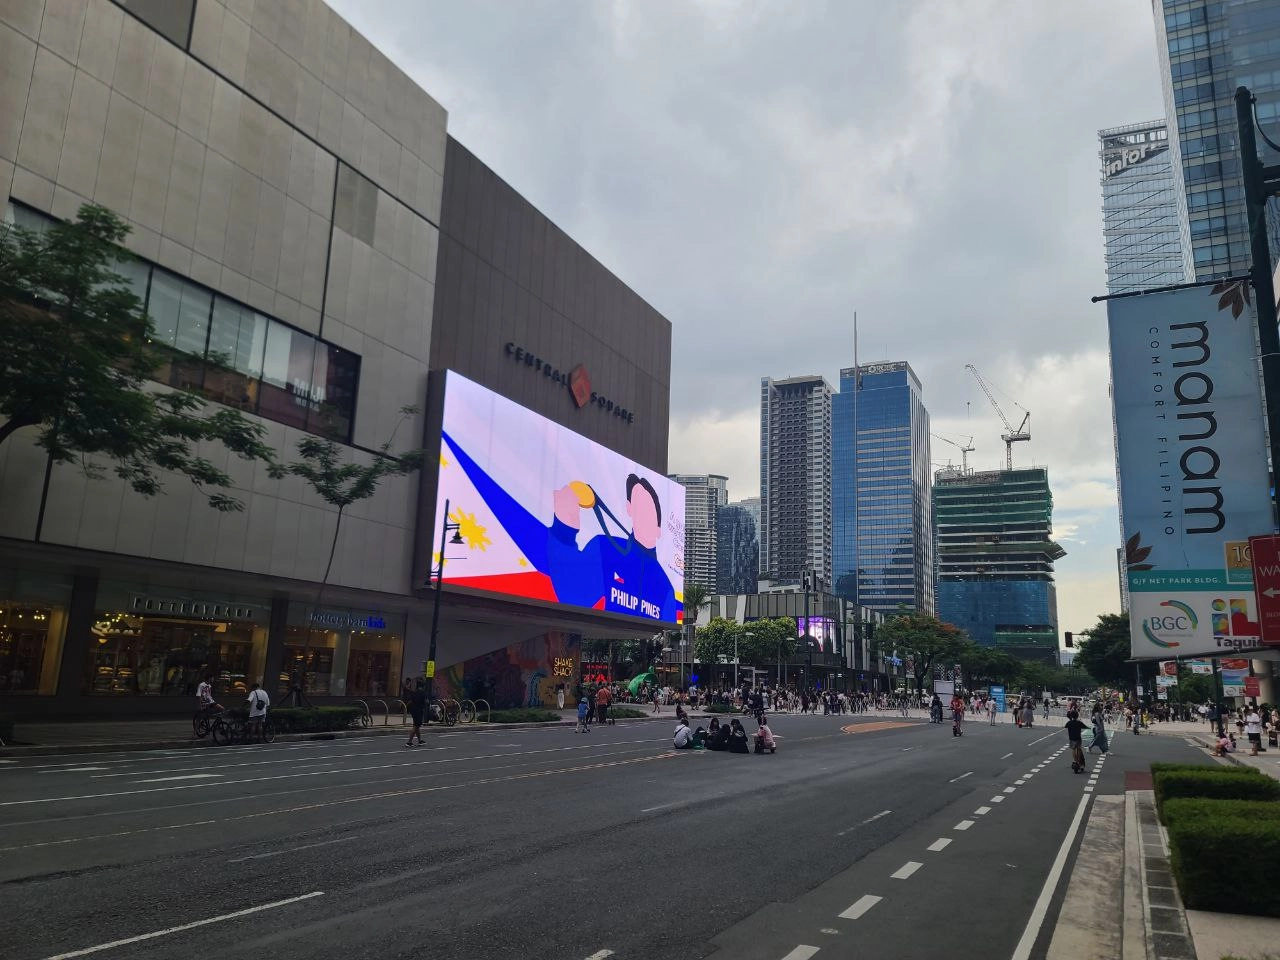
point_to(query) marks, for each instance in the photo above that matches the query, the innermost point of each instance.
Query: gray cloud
(760, 170)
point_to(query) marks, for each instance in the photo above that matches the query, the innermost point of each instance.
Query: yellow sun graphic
(443, 461)
(471, 531)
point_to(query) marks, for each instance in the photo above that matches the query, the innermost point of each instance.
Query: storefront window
(33, 618)
(161, 646)
(342, 652)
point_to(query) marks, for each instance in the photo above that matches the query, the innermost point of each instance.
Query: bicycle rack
(487, 712)
(462, 717)
(386, 712)
(404, 711)
(367, 719)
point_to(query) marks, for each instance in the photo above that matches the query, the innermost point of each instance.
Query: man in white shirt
(1253, 727)
(684, 736)
(258, 703)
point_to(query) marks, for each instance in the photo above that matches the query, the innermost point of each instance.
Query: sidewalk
(1202, 733)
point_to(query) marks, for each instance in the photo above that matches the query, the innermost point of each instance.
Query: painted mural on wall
(521, 675)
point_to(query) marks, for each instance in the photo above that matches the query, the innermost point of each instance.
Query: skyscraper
(737, 550)
(1207, 48)
(795, 478)
(704, 493)
(881, 481)
(1143, 209)
(995, 558)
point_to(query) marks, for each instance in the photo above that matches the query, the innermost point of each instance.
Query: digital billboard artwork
(1192, 466)
(546, 514)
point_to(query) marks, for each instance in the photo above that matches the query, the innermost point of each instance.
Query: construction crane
(964, 448)
(1012, 436)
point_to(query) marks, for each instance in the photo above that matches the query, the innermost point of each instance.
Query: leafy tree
(1103, 654)
(923, 639)
(717, 640)
(77, 358)
(766, 641)
(988, 665)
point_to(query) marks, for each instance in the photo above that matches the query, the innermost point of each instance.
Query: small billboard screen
(545, 514)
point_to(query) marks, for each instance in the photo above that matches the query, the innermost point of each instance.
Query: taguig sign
(1192, 465)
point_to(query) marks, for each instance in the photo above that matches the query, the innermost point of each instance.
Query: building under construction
(995, 558)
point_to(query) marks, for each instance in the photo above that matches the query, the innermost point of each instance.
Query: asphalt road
(548, 843)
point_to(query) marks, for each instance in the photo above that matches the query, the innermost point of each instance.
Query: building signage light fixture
(576, 381)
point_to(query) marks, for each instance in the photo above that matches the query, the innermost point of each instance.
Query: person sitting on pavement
(700, 739)
(738, 738)
(1226, 744)
(718, 736)
(683, 739)
(765, 740)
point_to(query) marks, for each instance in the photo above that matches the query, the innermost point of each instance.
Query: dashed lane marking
(961, 777)
(906, 870)
(185, 776)
(963, 825)
(872, 728)
(1010, 789)
(1019, 783)
(1006, 756)
(860, 907)
(997, 799)
(600, 955)
(939, 845)
(802, 952)
(982, 811)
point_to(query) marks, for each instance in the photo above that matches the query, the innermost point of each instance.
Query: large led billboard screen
(546, 514)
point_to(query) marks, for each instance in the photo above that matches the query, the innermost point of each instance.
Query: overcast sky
(759, 171)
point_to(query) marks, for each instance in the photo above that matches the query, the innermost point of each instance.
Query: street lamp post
(445, 527)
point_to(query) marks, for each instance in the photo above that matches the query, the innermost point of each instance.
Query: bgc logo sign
(1180, 621)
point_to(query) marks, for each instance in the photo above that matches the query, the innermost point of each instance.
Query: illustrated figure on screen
(616, 573)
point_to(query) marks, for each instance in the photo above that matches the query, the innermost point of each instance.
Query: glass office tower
(704, 493)
(737, 550)
(1207, 48)
(995, 558)
(882, 547)
(1143, 215)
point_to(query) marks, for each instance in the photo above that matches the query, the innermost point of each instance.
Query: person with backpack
(258, 703)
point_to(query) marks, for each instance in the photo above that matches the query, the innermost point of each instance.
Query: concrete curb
(128, 746)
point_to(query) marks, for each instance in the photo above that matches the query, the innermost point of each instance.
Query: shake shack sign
(576, 381)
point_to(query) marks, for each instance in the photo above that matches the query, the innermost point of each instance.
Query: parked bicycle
(203, 721)
(444, 711)
(228, 728)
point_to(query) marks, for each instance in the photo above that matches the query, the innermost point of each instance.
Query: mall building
(298, 206)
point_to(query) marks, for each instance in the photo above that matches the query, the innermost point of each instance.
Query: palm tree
(696, 596)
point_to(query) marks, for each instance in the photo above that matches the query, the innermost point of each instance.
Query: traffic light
(1070, 638)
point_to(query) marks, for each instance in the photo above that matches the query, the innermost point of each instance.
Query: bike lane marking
(906, 870)
(1041, 909)
(961, 777)
(939, 845)
(963, 825)
(860, 907)
(802, 952)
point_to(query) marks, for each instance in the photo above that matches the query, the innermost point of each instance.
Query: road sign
(1266, 585)
(1251, 687)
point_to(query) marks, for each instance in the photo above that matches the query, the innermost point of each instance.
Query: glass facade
(33, 622)
(1140, 209)
(234, 355)
(882, 545)
(995, 558)
(704, 493)
(1207, 48)
(738, 550)
(342, 652)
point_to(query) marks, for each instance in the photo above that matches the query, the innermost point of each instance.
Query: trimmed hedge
(625, 713)
(1217, 783)
(1191, 809)
(1196, 767)
(719, 708)
(524, 716)
(314, 719)
(1228, 864)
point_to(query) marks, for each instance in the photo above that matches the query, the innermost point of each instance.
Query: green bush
(1230, 865)
(1216, 783)
(1196, 767)
(314, 719)
(625, 713)
(1196, 808)
(6, 728)
(524, 716)
(719, 708)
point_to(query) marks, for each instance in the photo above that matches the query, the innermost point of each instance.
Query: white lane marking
(1019, 783)
(1088, 789)
(1010, 789)
(961, 777)
(906, 870)
(904, 749)
(1036, 920)
(882, 813)
(802, 952)
(997, 800)
(939, 845)
(859, 908)
(185, 776)
(76, 770)
(963, 825)
(982, 811)
(281, 853)
(186, 926)
(300, 761)
(322, 773)
(600, 955)
(1045, 737)
(663, 806)
(1006, 756)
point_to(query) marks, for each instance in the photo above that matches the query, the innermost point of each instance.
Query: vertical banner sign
(1264, 553)
(1192, 465)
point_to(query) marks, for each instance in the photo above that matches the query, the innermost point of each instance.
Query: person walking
(1075, 727)
(603, 698)
(417, 710)
(1253, 727)
(1098, 719)
(991, 711)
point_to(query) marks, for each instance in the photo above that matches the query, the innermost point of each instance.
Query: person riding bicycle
(258, 703)
(935, 709)
(1075, 729)
(204, 696)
